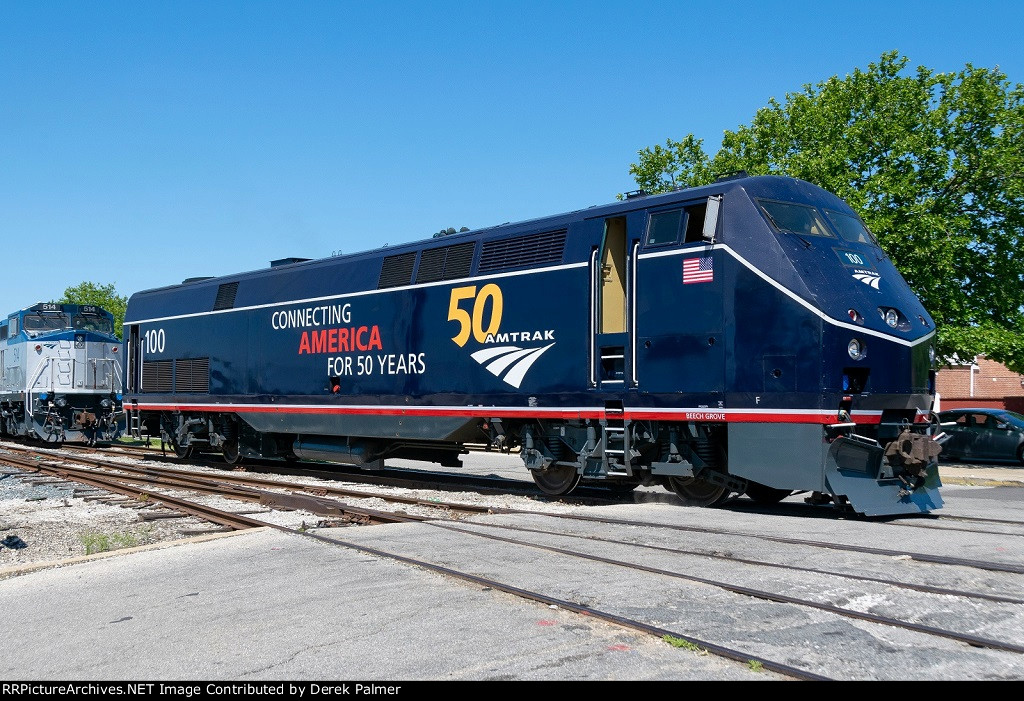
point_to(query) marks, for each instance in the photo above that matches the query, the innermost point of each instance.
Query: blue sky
(142, 143)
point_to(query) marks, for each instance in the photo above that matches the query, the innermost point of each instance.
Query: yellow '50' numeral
(475, 323)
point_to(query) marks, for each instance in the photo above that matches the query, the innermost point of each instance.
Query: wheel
(1020, 454)
(556, 480)
(696, 492)
(766, 495)
(232, 455)
(183, 452)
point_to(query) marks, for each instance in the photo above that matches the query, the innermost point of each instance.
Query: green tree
(934, 164)
(449, 230)
(104, 296)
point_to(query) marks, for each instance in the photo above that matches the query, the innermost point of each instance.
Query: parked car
(983, 434)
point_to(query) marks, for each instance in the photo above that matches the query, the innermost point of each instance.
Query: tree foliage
(934, 164)
(448, 231)
(104, 296)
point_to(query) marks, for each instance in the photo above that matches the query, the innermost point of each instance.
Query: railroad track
(555, 534)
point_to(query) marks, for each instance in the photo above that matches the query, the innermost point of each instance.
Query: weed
(102, 542)
(685, 644)
(755, 665)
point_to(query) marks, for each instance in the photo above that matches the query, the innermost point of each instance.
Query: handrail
(593, 318)
(35, 378)
(631, 309)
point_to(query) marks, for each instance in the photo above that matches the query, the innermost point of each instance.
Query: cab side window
(664, 228)
(686, 223)
(694, 226)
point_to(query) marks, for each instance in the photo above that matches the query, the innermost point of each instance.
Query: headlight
(856, 349)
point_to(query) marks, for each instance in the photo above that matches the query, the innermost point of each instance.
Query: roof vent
(636, 193)
(287, 261)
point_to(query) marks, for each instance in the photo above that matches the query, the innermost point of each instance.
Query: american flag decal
(698, 270)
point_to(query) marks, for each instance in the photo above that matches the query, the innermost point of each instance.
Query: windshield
(94, 323)
(849, 227)
(36, 323)
(795, 218)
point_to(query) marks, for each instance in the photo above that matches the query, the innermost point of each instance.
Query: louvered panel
(396, 271)
(226, 296)
(459, 260)
(192, 375)
(535, 249)
(431, 265)
(156, 376)
(182, 375)
(201, 375)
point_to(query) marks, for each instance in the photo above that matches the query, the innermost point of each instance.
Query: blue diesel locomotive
(62, 377)
(746, 337)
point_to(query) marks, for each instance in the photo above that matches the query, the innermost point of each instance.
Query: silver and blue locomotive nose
(62, 374)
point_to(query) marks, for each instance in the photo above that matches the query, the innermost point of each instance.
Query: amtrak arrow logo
(869, 279)
(510, 363)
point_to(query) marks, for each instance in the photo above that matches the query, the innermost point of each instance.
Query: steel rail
(923, 588)
(719, 650)
(318, 490)
(972, 640)
(921, 557)
(319, 506)
(222, 518)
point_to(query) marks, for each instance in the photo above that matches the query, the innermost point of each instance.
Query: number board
(854, 259)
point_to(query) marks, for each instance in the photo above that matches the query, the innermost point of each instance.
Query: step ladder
(616, 453)
(135, 424)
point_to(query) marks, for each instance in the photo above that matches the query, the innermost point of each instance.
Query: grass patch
(684, 644)
(755, 665)
(144, 442)
(102, 542)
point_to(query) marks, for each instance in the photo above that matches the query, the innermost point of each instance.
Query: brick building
(981, 383)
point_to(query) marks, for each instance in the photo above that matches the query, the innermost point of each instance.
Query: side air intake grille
(192, 375)
(446, 263)
(156, 376)
(397, 270)
(535, 249)
(226, 296)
